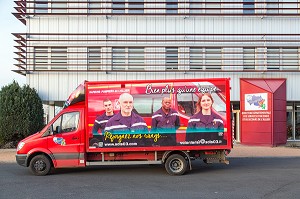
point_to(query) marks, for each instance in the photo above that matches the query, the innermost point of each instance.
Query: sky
(9, 24)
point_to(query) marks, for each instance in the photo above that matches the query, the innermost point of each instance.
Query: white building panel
(60, 85)
(160, 25)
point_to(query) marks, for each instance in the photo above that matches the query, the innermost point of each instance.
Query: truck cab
(59, 144)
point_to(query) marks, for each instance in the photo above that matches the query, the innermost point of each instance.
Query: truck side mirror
(48, 132)
(57, 130)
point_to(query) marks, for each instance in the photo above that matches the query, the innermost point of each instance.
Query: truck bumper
(21, 159)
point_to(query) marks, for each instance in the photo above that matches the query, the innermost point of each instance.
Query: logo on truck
(59, 140)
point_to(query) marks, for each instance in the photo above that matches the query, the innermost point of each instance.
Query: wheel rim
(176, 165)
(39, 165)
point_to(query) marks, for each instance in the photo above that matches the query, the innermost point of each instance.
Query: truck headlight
(20, 146)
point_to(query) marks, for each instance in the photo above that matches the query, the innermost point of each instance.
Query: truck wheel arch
(185, 154)
(32, 155)
(40, 165)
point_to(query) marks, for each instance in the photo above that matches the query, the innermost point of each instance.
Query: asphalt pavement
(239, 150)
(251, 174)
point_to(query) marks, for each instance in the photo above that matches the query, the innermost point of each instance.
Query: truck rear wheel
(40, 165)
(176, 164)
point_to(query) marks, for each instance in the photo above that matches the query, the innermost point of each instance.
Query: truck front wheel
(40, 165)
(176, 164)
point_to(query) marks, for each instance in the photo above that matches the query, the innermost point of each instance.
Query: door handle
(75, 138)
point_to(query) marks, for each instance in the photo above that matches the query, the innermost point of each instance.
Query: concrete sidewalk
(8, 155)
(263, 151)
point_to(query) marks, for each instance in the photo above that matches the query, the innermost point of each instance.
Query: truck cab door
(64, 140)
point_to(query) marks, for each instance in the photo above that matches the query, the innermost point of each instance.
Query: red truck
(152, 132)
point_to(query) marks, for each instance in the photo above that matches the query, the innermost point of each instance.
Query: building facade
(69, 41)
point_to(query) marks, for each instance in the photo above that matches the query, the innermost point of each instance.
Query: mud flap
(217, 157)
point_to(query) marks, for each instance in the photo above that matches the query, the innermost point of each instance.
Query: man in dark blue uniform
(100, 122)
(166, 120)
(126, 121)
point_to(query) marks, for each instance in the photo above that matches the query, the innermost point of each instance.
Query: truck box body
(71, 139)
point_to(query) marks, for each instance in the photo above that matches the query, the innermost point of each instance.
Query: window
(94, 6)
(290, 7)
(171, 58)
(273, 58)
(41, 6)
(293, 121)
(290, 59)
(283, 58)
(135, 6)
(248, 7)
(196, 58)
(157, 102)
(40, 58)
(136, 59)
(196, 6)
(187, 103)
(118, 58)
(54, 56)
(142, 105)
(249, 58)
(59, 6)
(213, 58)
(171, 6)
(68, 122)
(94, 58)
(213, 6)
(128, 59)
(59, 57)
(146, 105)
(297, 125)
(289, 121)
(219, 104)
(272, 6)
(118, 6)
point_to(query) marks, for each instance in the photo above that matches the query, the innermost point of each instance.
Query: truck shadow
(118, 169)
(198, 167)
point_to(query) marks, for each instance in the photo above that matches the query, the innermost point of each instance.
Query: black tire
(176, 164)
(40, 165)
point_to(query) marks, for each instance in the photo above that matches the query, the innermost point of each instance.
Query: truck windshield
(76, 96)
